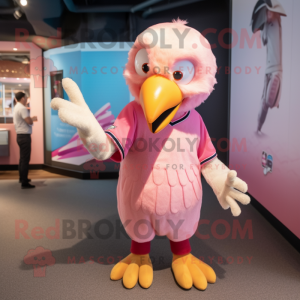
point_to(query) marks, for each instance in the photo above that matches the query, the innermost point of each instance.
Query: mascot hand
(75, 112)
(233, 188)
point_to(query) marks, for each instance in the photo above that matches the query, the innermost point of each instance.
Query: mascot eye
(177, 75)
(141, 62)
(183, 71)
(145, 68)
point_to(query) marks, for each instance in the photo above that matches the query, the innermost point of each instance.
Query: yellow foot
(133, 268)
(189, 270)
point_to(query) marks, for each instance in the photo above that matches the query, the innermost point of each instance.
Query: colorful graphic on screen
(74, 151)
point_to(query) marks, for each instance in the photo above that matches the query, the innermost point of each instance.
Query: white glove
(76, 113)
(226, 185)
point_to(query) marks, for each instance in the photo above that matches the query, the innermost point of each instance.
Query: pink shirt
(159, 178)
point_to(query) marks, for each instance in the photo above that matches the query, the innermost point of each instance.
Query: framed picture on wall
(56, 84)
(264, 105)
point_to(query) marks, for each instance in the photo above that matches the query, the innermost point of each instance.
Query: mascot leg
(262, 116)
(188, 270)
(135, 267)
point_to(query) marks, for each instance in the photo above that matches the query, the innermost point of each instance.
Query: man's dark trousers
(24, 142)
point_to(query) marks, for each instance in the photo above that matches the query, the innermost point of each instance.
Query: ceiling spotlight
(15, 49)
(25, 61)
(18, 13)
(23, 2)
(18, 78)
(20, 84)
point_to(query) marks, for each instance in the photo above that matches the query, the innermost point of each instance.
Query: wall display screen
(265, 104)
(98, 71)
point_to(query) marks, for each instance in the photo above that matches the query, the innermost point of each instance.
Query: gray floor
(272, 273)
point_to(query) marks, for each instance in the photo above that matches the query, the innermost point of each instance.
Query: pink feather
(178, 21)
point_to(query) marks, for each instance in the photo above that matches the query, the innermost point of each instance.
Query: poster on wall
(56, 84)
(265, 104)
(97, 71)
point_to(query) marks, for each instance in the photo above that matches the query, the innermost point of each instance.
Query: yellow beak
(160, 99)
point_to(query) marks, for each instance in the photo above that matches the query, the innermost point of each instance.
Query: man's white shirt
(21, 113)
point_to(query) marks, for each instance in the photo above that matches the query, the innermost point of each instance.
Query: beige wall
(36, 103)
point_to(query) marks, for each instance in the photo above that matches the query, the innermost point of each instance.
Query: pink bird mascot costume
(163, 146)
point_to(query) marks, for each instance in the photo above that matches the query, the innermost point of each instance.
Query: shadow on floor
(109, 248)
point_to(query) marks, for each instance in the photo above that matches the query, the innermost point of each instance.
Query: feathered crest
(178, 21)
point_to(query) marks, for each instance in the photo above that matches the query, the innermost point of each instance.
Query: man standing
(23, 125)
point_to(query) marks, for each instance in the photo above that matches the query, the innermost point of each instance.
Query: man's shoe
(29, 180)
(27, 186)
